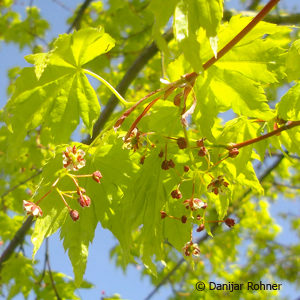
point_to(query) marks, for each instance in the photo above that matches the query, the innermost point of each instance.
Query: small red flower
(73, 159)
(183, 219)
(229, 222)
(74, 215)
(176, 194)
(32, 209)
(234, 152)
(134, 141)
(97, 176)
(84, 200)
(186, 168)
(194, 203)
(200, 143)
(163, 214)
(191, 248)
(165, 165)
(200, 228)
(203, 151)
(217, 185)
(182, 143)
(171, 163)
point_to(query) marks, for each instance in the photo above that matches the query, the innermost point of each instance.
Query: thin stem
(188, 143)
(139, 118)
(67, 195)
(289, 125)
(107, 84)
(37, 202)
(63, 199)
(51, 189)
(88, 175)
(74, 180)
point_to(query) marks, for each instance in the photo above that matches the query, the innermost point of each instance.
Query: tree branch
(288, 125)
(17, 239)
(20, 183)
(76, 22)
(50, 272)
(279, 19)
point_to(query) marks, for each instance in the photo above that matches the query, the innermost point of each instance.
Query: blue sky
(100, 270)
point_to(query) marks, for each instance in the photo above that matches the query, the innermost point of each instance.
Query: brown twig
(287, 126)
(20, 183)
(17, 239)
(50, 272)
(76, 23)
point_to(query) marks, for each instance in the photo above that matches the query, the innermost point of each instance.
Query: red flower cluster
(217, 185)
(73, 158)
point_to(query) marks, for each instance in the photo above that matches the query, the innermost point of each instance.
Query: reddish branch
(287, 126)
(238, 37)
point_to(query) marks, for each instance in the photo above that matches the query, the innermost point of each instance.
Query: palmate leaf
(56, 93)
(235, 81)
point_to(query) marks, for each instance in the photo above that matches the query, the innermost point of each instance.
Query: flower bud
(182, 143)
(84, 200)
(97, 176)
(163, 214)
(229, 222)
(202, 152)
(171, 163)
(165, 165)
(74, 215)
(233, 152)
(176, 194)
(186, 168)
(200, 228)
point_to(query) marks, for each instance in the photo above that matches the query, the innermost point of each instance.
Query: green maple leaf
(56, 93)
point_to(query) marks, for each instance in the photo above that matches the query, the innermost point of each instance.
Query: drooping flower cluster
(32, 209)
(73, 158)
(218, 185)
